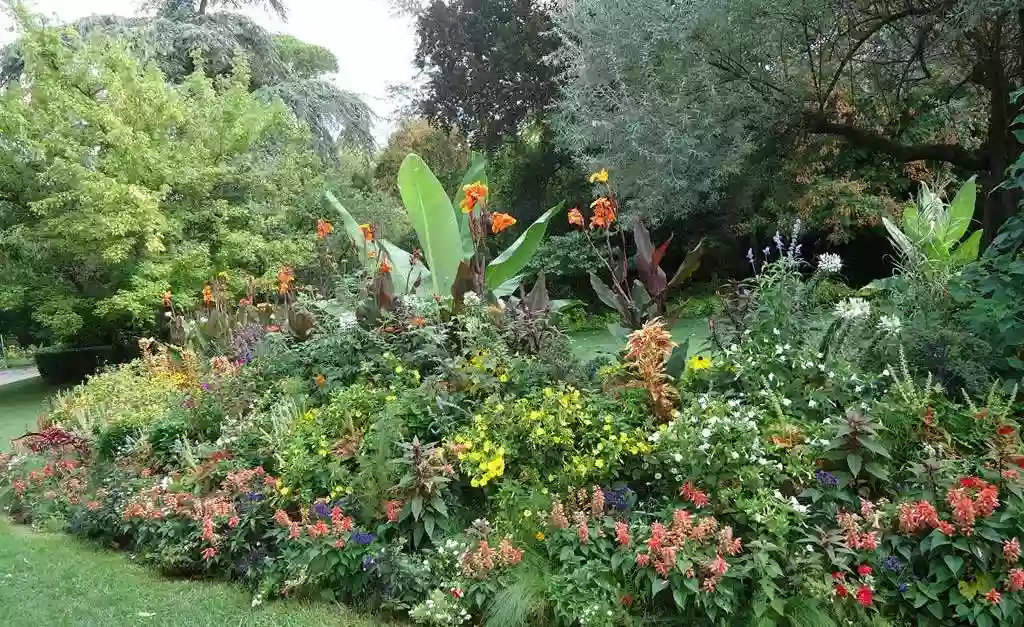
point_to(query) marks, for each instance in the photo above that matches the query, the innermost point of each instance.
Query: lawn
(21, 404)
(52, 579)
(590, 344)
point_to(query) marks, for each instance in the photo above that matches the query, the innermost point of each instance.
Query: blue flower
(254, 496)
(617, 497)
(903, 587)
(362, 537)
(892, 564)
(322, 510)
(827, 479)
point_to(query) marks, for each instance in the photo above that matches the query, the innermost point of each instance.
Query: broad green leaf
(403, 273)
(431, 214)
(954, 562)
(559, 304)
(969, 249)
(477, 173)
(416, 506)
(514, 258)
(508, 288)
(657, 585)
(854, 462)
(961, 210)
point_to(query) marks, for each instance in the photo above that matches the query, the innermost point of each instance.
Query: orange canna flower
(475, 192)
(323, 229)
(575, 217)
(367, 232)
(167, 298)
(244, 302)
(320, 380)
(419, 321)
(604, 213)
(500, 222)
(385, 267)
(285, 276)
(372, 254)
(207, 294)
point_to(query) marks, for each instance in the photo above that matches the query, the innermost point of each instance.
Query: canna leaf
(433, 217)
(514, 258)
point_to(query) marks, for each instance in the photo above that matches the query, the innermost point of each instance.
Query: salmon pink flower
(1011, 550)
(575, 217)
(323, 229)
(993, 596)
(209, 553)
(1016, 578)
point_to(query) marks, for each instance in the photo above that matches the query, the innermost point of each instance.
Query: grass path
(53, 580)
(21, 403)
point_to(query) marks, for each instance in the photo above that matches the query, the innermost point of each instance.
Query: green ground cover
(21, 404)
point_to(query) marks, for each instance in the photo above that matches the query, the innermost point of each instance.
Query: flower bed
(449, 460)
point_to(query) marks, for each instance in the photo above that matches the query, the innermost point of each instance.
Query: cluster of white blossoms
(890, 325)
(853, 308)
(830, 263)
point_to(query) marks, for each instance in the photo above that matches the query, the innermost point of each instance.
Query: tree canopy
(181, 36)
(678, 98)
(116, 185)
(486, 65)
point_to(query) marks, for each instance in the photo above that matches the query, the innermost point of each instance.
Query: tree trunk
(202, 6)
(1001, 145)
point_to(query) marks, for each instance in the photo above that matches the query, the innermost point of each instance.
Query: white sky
(374, 47)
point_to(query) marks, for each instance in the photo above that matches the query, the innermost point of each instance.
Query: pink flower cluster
(856, 538)
(482, 560)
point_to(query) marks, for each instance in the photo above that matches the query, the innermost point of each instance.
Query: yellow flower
(285, 491)
(503, 378)
(598, 463)
(601, 176)
(699, 362)
(399, 369)
(540, 536)
(323, 452)
(527, 513)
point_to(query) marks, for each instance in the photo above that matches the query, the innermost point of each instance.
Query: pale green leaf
(431, 214)
(514, 258)
(961, 211)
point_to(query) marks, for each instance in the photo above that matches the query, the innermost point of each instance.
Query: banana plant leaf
(514, 258)
(432, 216)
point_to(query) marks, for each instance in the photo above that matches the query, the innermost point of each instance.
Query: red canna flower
(1005, 430)
(864, 570)
(865, 596)
(385, 267)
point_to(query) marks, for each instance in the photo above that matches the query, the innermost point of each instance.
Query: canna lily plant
(453, 234)
(644, 297)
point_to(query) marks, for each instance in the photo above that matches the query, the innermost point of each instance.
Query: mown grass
(55, 580)
(21, 403)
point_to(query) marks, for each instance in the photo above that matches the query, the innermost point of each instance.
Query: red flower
(1006, 430)
(841, 591)
(339, 544)
(209, 553)
(863, 570)
(273, 328)
(695, 496)
(233, 522)
(323, 229)
(1011, 550)
(1016, 576)
(627, 600)
(838, 576)
(971, 482)
(575, 217)
(457, 593)
(993, 596)
(864, 596)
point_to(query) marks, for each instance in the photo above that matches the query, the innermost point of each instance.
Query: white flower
(705, 433)
(657, 476)
(471, 298)
(735, 455)
(347, 320)
(167, 314)
(890, 325)
(786, 402)
(203, 320)
(812, 403)
(885, 373)
(853, 308)
(830, 263)
(677, 457)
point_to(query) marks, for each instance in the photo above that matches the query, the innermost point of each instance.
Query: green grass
(55, 580)
(590, 344)
(52, 580)
(21, 403)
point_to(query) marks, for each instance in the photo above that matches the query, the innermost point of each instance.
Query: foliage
(93, 237)
(183, 38)
(486, 65)
(447, 151)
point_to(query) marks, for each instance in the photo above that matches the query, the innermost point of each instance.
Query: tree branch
(861, 138)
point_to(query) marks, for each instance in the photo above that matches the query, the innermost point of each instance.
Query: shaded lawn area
(590, 344)
(53, 580)
(21, 404)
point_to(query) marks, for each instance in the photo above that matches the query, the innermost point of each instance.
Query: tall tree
(116, 185)
(486, 65)
(688, 90)
(175, 33)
